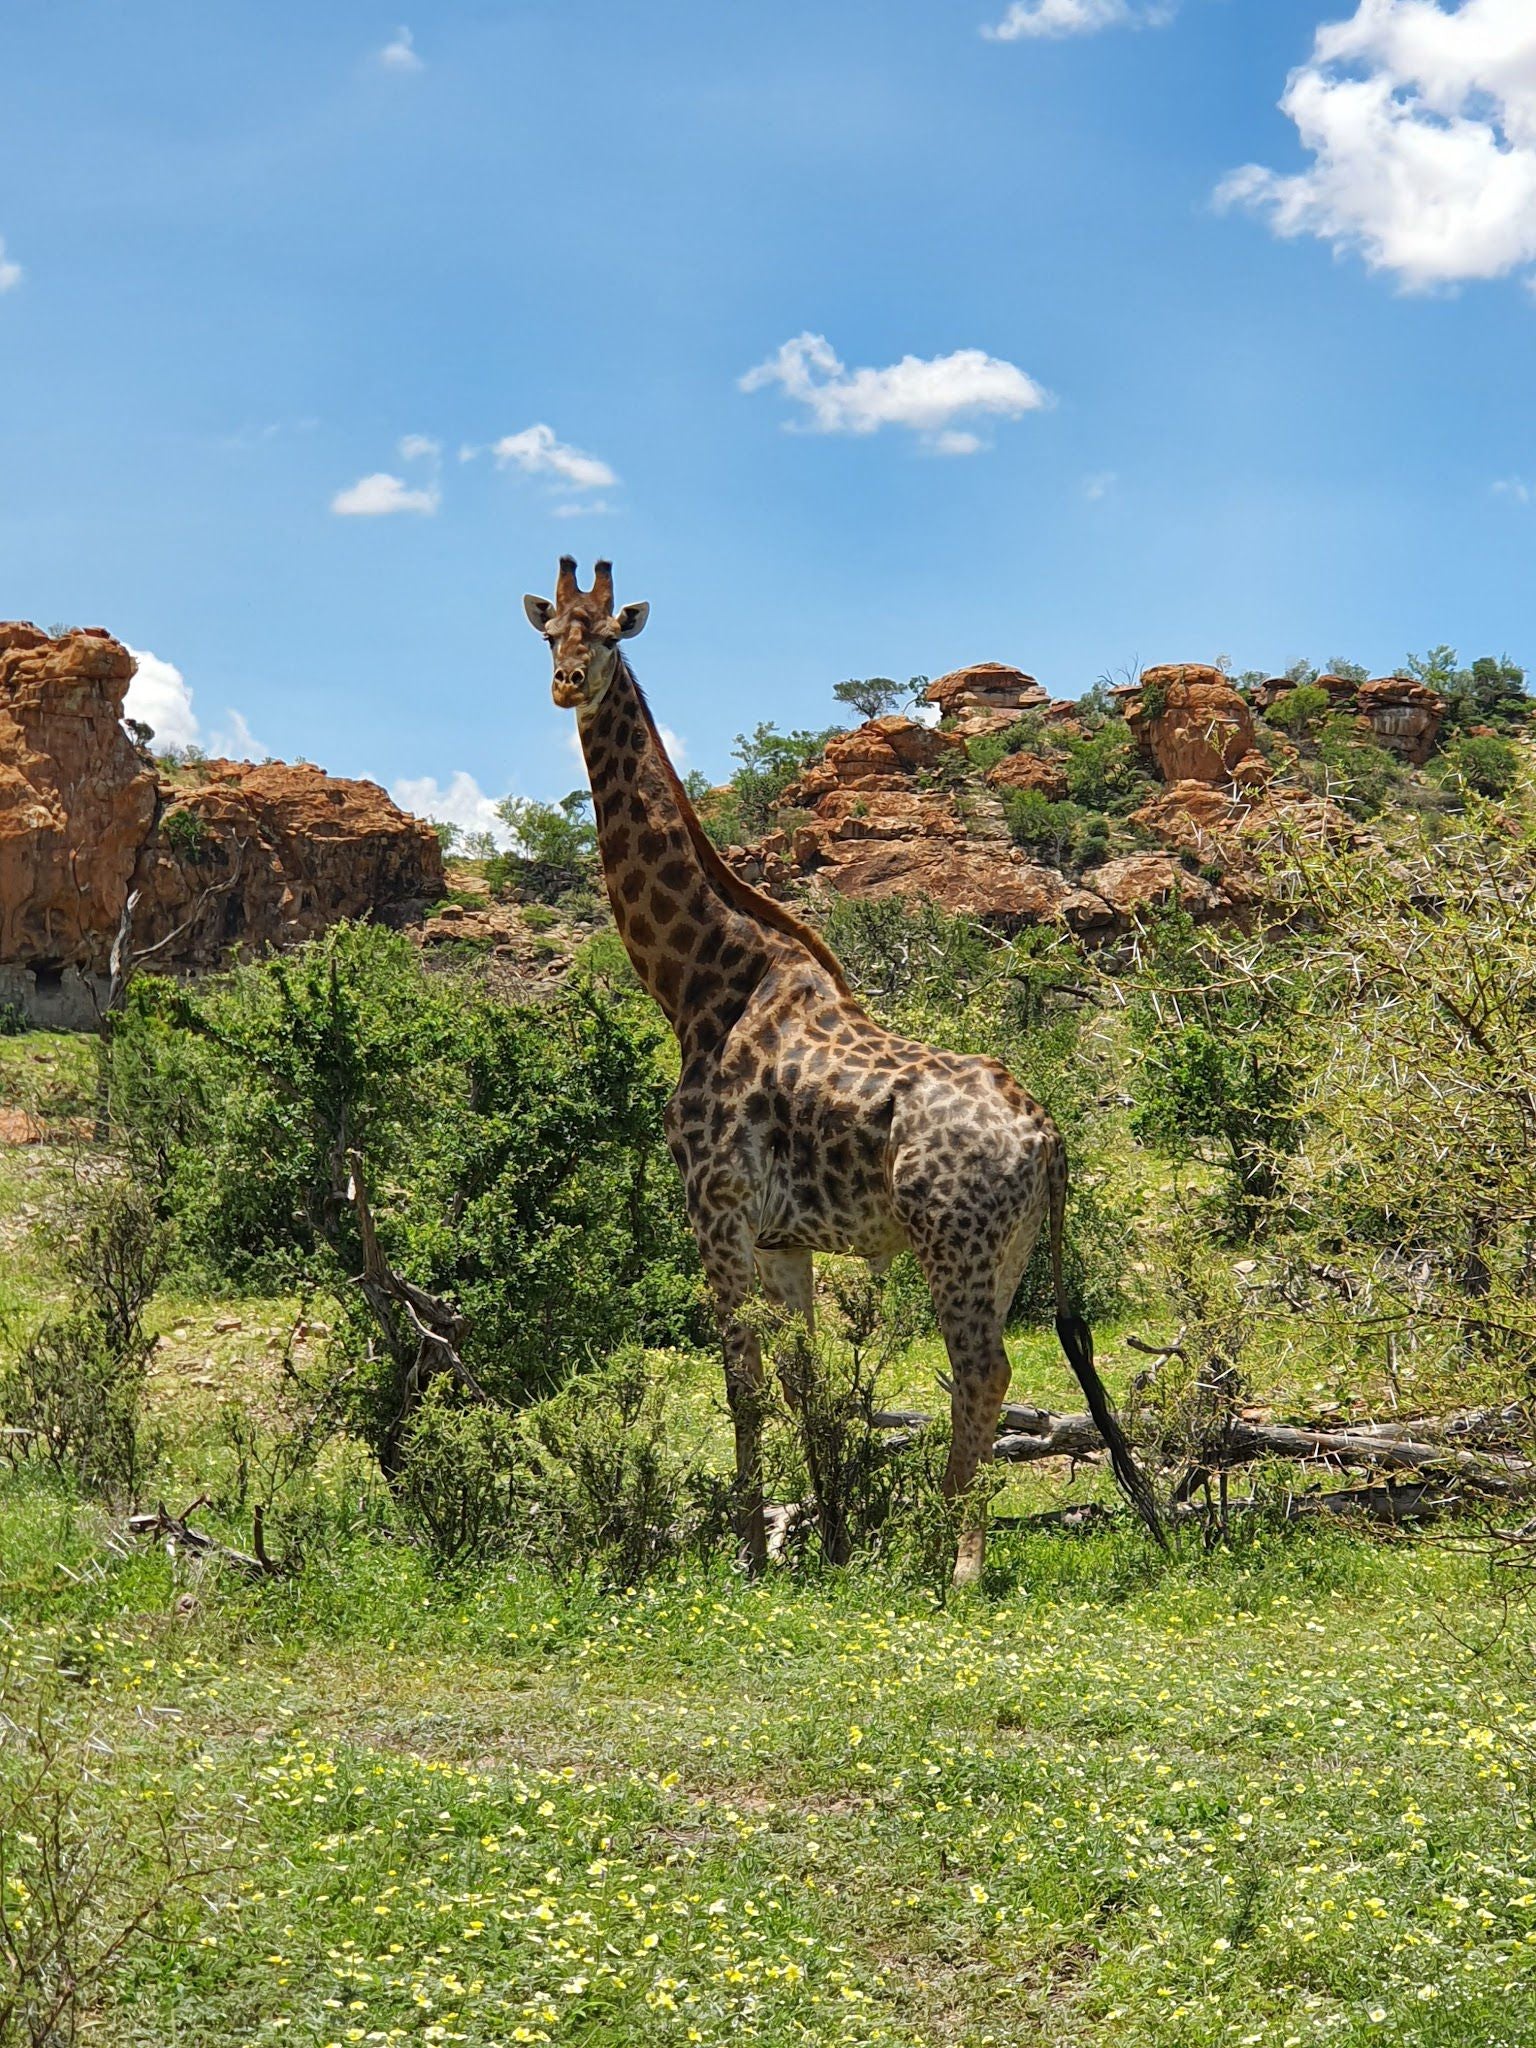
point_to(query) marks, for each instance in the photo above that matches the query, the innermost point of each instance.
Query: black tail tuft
(1077, 1342)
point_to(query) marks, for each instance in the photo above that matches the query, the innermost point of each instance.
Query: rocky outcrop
(987, 881)
(249, 858)
(77, 799)
(269, 856)
(1403, 715)
(1044, 772)
(986, 686)
(884, 754)
(1139, 882)
(1194, 726)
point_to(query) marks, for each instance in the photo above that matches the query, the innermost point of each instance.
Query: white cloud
(536, 450)
(399, 54)
(581, 511)
(1421, 123)
(1099, 485)
(956, 441)
(419, 448)
(371, 497)
(160, 697)
(235, 740)
(1078, 17)
(462, 802)
(1516, 489)
(10, 273)
(923, 394)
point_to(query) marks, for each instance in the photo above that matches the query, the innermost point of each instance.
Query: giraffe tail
(1077, 1342)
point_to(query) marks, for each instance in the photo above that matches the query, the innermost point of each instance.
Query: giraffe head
(583, 632)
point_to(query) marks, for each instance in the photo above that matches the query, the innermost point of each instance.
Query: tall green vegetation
(510, 1162)
(1490, 691)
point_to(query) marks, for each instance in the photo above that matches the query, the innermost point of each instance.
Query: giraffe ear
(540, 611)
(632, 619)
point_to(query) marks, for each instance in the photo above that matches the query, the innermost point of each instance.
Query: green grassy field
(1279, 1796)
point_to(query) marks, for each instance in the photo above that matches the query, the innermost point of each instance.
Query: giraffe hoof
(969, 1559)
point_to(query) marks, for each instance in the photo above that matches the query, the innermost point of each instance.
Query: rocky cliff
(896, 808)
(225, 858)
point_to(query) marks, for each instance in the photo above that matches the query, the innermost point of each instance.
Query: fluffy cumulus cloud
(399, 53)
(1036, 18)
(539, 452)
(927, 395)
(1420, 121)
(374, 497)
(10, 273)
(461, 801)
(420, 448)
(161, 698)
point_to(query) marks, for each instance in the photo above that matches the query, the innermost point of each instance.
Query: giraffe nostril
(577, 676)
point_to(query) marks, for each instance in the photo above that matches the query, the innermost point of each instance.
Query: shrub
(1299, 711)
(515, 1162)
(1058, 832)
(607, 1495)
(1102, 771)
(457, 1493)
(1490, 692)
(75, 1388)
(1484, 763)
(556, 847)
(1217, 1075)
(1366, 775)
(185, 832)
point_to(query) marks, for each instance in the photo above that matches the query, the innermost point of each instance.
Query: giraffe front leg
(728, 1263)
(744, 1396)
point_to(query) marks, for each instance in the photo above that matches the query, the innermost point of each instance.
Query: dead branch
(178, 1536)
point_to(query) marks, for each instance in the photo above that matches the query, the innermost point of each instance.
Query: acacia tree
(874, 696)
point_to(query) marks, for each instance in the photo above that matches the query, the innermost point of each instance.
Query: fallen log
(1030, 1434)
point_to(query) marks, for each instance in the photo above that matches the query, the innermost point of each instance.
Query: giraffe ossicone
(798, 1123)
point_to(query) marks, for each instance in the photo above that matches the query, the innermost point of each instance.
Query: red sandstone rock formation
(77, 798)
(263, 856)
(1404, 715)
(985, 880)
(1138, 882)
(986, 686)
(1197, 729)
(272, 855)
(1030, 771)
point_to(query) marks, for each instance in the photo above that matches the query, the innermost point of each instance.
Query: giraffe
(798, 1123)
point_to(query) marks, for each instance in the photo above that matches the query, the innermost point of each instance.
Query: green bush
(770, 761)
(515, 1159)
(74, 1388)
(1490, 692)
(556, 848)
(1059, 832)
(1102, 771)
(185, 832)
(1484, 763)
(1298, 712)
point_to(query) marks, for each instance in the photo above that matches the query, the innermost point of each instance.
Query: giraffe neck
(685, 921)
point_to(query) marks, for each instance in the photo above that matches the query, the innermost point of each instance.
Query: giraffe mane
(741, 895)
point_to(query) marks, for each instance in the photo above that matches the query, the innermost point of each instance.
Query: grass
(1269, 1799)
(1281, 1796)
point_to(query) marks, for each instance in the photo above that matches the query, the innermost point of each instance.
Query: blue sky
(322, 334)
